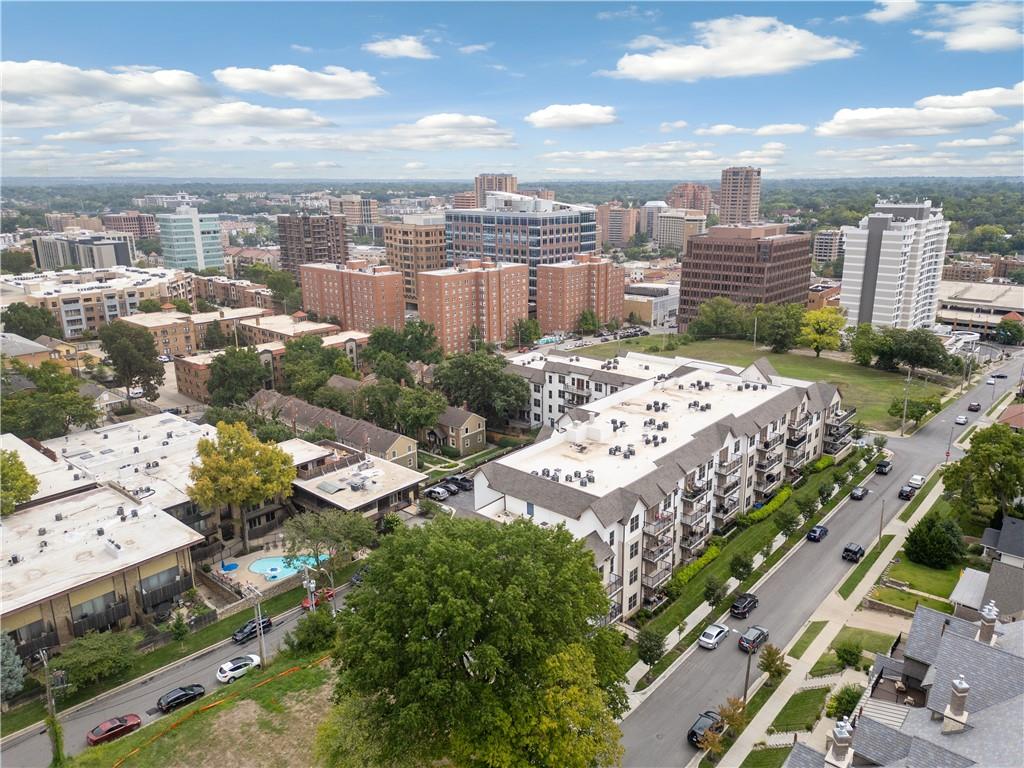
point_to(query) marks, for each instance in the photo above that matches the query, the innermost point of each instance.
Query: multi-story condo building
(677, 225)
(356, 210)
(167, 201)
(893, 264)
(237, 258)
(464, 200)
(753, 264)
(493, 182)
(566, 289)
(739, 200)
(58, 222)
(97, 250)
(543, 194)
(644, 476)
(190, 240)
(311, 238)
(414, 245)
(696, 197)
(84, 300)
(649, 217)
(476, 294)
(617, 224)
(828, 246)
(226, 292)
(356, 295)
(521, 230)
(139, 225)
(176, 333)
(966, 271)
(263, 330)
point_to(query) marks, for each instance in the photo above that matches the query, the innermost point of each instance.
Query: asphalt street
(654, 734)
(33, 749)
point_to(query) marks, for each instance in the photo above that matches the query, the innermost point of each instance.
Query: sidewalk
(837, 612)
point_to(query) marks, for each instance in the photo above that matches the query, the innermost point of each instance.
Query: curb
(34, 727)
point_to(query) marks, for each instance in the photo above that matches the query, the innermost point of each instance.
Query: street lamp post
(881, 519)
(310, 585)
(330, 579)
(53, 727)
(258, 609)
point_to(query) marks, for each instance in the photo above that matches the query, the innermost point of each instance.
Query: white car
(436, 493)
(136, 392)
(164, 358)
(991, 381)
(712, 636)
(961, 419)
(230, 671)
(916, 481)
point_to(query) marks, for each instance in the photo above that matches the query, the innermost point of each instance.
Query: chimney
(955, 716)
(987, 630)
(840, 754)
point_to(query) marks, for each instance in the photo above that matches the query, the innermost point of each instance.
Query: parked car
(858, 493)
(164, 358)
(752, 640)
(961, 419)
(706, 721)
(853, 552)
(179, 697)
(743, 605)
(883, 467)
(465, 483)
(452, 488)
(974, 407)
(906, 492)
(358, 576)
(712, 636)
(324, 595)
(817, 533)
(990, 380)
(247, 631)
(114, 728)
(437, 493)
(999, 376)
(916, 481)
(230, 671)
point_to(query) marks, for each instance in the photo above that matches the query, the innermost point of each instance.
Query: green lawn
(827, 664)
(862, 568)
(967, 433)
(918, 499)
(801, 645)
(773, 757)
(868, 639)
(908, 600)
(802, 711)
(992, 409)
(924, 579)
(868, 389)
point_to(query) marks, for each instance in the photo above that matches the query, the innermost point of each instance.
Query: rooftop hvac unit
(15, 559)
(546, 472)
(99, 531)
(135, 513)
(105, 435)
(42, 531)
(583, 483)
(764, 386)
(58, 517)
(135, 448)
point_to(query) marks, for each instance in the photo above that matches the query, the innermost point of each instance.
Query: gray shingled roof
(1009, 539)
(802, 756)
(879, 743)
(14, 345)
(970, 589)
(532, 375)
(1005, 587)
(454, 417)
(765, 368)
(598, 547)
(994, 674)
(344, 383)
(927, 628)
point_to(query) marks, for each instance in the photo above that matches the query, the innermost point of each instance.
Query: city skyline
(601, 91)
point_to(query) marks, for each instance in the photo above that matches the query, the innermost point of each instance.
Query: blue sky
(546, 90)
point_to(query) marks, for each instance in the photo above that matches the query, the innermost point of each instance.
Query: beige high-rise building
(139, 225)
(311, 238)
(476, 293)
(677, 225)
(360, 297)
(543, 194)
(691, 196)
(464, 200)
(356, 210)
(414, 245)
(58, 222)
(494, 182)
(740, 197)
(617, 224)
(567, 289)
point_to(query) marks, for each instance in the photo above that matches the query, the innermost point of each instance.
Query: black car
(853, 552)
(247, 631)
(858, 493)
(451, 487)
(463, 482)
(817, 533)
(705, 721)
(179, 697)
(974, 407)
(999, 376)
(883, 467)
(906, 492)
(358, 576)
(743, 605)
(752, 640)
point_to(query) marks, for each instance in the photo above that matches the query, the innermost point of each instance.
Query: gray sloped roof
(598, 547)
(532, 375)
(1005, 587)
(879, 743)
(14, 345)
(558, 497)
(993, 674)
(970, 589)
(454, 417)
(765, 368)
(926, 754)
(1008, 539)
(802, 756)
(927, 629)
(344, 383)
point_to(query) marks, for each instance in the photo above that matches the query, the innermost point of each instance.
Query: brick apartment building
(489, 296)
(464, 200)
(358, 211)
(692, 196)
(138, 224)
(310, 238)
(263, 330)
(565, 290)
(493, 182)
(740, 196)
(617, 224)
(226, 292)
(414, 245)
(176, 333)
(358, 295)
(752, 264)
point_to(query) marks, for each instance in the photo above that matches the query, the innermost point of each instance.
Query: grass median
(801, 712)
(772, 757)
(862, 568)
(909, 601)
(801, 645)
(919, 497)
(935, 581)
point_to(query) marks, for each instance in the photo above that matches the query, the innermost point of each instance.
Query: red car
(114, 728)
(324, 595)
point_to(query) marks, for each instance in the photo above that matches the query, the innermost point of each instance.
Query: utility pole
(746, 680)
(56, 738)
(881, 520)
(906, 394)
(755, 347)
(310, 586)
(258, 614)
(949, 445)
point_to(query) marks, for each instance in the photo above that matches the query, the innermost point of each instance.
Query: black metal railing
(727, 488)
(796, 442)
(800, 422)
(656, 578)
(656, 554)
(768, 463)
(694, 492)
(730, 466)
(29, 648)
(109, 616)
(843, 416)
(770, 443)
(151, 598)
(658, 525)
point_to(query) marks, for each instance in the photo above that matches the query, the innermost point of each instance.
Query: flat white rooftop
(287, 325)
(619, 420)
(227, 313)
(54, 477)
(149, 457)
(303, 451)
(155, 319)
(635, 364)
(334, 340)
(82, 281)
(75, 553)
(353, 487)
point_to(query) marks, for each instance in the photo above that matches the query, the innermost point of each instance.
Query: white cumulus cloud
(294, 82)
(475, 48)
(672, 125)
(243, 113)
(905, 121)
(982, 26)
(736, 46)
(414, 165)
(49, 79)
(1012, 130)
(772, 129)
(991, 141)
(986, 97)
(403, 47)
(572, 116)
(892, 10)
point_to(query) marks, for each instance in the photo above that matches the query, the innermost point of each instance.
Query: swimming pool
(274, 568)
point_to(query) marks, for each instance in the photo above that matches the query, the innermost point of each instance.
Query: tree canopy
(587, 322)
(51, 408)
(447, 658)
(30, 322)
(133, 356)
(418, 409)
(1010, 332)
(822, 329)
(778, 325)
(992, 470)
(936, 541)
(307, 365)
(235, 376)
(479, 380)
(12, 670)
(416, 341)
(17, 484)
(388, 365)
(719, 318)
(149, 306)
(330, 536)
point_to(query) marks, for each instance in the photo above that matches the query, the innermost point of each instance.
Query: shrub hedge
(743, 521)
(683, 575)
(820, 465)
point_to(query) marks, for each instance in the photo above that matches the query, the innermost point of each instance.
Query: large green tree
(49, 410)
(587, 322)
(479, 380)
(235, 376)
(862, 344)
(992, 470)
(307, 365)
(12, 670)
(14, 262)
(215, 338)
(17, 484)
(97, 656)
(378, 403)
(524, 331)
(133, 356)
(778, 325)
(936, 542)
(1010, 332)
(387, 365)
(822, 329)
(329, 536)
(29, 322)
(149, 306)
(447, 659)
(418, 409)
(237, 470)
(719, 318)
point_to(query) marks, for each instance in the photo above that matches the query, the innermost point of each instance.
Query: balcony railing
(151, 598)
(842, 417)
(770, 443)
(694, 492)
(29, 648)
(656, 578)
(797, 461)
(837, 431)
(768, 463)
(657, 554)
(695, 541)
(613, 615)
(658, 525)
(796, 442)
(694, 519)
(800, 422)
(613, 585)
(109, 616)
(768, 485)
(730, 466)
(727, 506)
(726, 488)
(836, 447)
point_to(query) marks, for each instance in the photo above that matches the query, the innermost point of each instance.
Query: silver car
(712, 636)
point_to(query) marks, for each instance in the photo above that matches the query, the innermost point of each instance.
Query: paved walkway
(837, 612)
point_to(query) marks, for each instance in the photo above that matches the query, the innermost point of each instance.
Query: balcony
(613, 586)
(656, 578)
(840, 418)
(655, 601)
(768, 485)
(690, 520)
(693, 543)
(694, 492)
(658, 553)
(799, 423)
(658, 525)
(613, 615)
(106, 618)
(838, 448)
(727, 507)
(31, 647)
(797, 461)
(730, 466)
(728, 487)
(836, 432)
(151, 598)
(770, 443)
(769, 463)
(796, 442)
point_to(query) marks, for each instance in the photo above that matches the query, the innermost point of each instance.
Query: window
(95, 606)
(634, 549)
(160, 579)
(634, 523)
(529, 509)
(634, 575)
(632, 601)
(611, 538)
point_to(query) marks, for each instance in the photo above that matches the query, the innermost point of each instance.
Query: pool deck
(242, 575)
